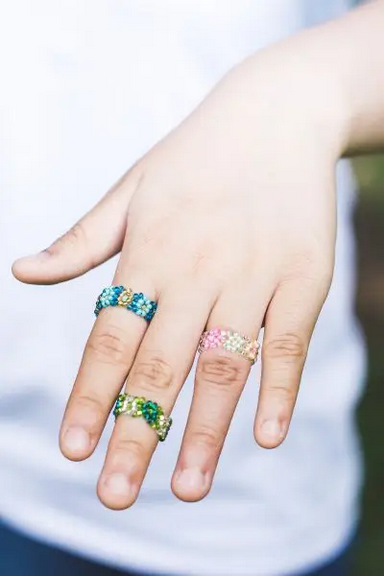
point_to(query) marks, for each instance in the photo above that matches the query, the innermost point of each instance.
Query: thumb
(98, 236)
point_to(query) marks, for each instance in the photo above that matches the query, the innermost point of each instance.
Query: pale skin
(229, 221)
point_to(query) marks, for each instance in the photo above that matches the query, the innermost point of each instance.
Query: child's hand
(228, 222)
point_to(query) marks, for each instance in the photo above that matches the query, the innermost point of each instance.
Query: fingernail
(118, 485)
(77, 439)
(192, 478)
(272, 429)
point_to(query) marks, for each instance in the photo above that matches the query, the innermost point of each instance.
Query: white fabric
(87, 87)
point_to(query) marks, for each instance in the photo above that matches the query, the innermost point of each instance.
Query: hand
(227, 222)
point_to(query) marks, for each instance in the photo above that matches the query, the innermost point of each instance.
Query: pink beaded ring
(231, 341)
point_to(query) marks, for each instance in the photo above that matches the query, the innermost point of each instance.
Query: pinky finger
(289, 323)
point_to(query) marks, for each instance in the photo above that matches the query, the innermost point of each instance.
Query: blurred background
(369, 223)
(369, 220)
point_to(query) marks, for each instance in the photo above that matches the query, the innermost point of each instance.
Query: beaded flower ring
(231, 341)
(138, 406)
(126, 298)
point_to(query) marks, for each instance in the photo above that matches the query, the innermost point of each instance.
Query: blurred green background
(369, 221)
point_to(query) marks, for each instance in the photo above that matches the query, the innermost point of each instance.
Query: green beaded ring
(138, 406)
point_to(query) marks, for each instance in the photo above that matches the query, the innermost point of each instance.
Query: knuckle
(222, 371)
(283, 393)
(317, 282)
(323, 272)
(75, 236)
(288, 347)
(153, 374)
(146, 240)
(207, 437)
(123, 446)
(88, 404)
(109, 346)
(88, 411)
(202, 258)
(314, 270)
(199, 262)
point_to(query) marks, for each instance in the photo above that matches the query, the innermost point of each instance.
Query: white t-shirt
(88, 87)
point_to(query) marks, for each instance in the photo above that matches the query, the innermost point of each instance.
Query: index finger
(108, 356)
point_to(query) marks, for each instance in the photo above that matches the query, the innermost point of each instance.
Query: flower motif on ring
(250, 350)
(108, 297)
(125, 298)
(233, 342)
(151, 412)
(142, 306)
(163, 426)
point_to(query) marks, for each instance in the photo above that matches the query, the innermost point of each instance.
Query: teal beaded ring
(138, 406)
(126, 298)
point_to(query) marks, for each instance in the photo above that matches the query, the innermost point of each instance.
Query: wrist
(336, 73)
(292, 84)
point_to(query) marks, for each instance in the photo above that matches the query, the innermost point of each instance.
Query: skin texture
(229, 221)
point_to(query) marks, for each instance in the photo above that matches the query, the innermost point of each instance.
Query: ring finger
(220, 378)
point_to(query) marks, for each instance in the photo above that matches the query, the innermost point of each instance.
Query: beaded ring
(138, 406)
(126, 298)
(231, 341)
